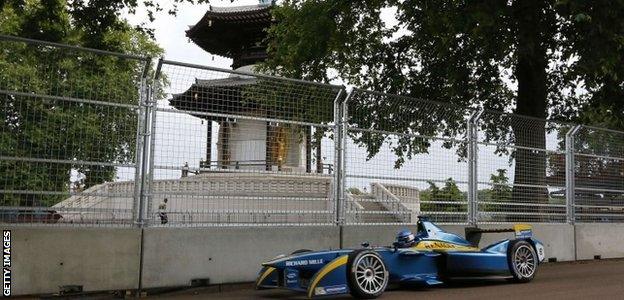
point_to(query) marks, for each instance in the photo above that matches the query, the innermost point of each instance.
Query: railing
(219, 165)
(391, 202)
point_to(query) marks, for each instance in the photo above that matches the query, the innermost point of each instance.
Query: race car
(429, 257)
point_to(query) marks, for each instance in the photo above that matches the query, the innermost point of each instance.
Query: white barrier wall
(43, 259)
(175, 256)
(606, 240)
(108, 259)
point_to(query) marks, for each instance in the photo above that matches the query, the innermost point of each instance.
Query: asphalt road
(597, 280)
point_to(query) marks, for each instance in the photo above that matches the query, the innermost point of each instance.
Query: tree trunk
(530, 169)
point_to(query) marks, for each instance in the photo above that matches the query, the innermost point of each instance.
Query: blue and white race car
(429, 257)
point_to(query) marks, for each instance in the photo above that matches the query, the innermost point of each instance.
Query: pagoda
(248, 142)
(236, 32)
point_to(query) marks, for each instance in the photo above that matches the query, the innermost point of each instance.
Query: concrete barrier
(175, 256)
(109, 259)
(99, 259)
(606, 240)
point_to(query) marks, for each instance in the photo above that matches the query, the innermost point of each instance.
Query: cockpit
(426, 230)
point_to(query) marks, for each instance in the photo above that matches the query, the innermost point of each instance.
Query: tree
(533, 58)
(42, 128)
(499, 192)
(449, 193)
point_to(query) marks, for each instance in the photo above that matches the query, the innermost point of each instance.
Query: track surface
(597, 280)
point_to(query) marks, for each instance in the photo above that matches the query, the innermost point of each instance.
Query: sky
(170, 31)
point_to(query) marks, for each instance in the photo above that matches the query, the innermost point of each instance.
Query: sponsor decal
(305, 262)
(320, 291)
(336, 289)
(438, 245)
(524, 233)
(523, 230)
(291, 277)
(330, 290)
(540, 252)
(6, 263)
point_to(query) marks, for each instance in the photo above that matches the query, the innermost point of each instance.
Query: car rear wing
(473, 234)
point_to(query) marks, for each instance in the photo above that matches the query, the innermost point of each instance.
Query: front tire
(367, 274)
(522, 261)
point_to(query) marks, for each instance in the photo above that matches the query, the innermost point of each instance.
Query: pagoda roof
(227, 12)
(234, 81)
(222, 96)
(241, 94)
(235, 31)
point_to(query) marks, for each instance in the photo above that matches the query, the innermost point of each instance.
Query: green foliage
(456, 51)
(290, 100)
(354, 191)
(37, 127)
(449, 193)
(546, 59)
(500, 191)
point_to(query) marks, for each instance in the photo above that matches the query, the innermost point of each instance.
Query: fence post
(339, 147)
(473, 186)
(570, 176)
(152, 147)
(150, 133)
(138, 206)
(145, 159)
(138, 156)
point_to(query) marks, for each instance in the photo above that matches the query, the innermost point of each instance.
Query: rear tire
(522, 261)
(367, 274)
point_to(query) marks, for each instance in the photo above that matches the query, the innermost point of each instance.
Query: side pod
(331, 279)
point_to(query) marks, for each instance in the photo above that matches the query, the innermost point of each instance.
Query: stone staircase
(242, 198)
(246, 198)
(213, 198)
(382, 205)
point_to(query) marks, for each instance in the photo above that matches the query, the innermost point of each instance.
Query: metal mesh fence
(88, 137)
(521, 169)
(237, 148)
(68, 135)
(598, 175)
(404, 157)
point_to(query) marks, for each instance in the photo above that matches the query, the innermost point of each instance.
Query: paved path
(595, 280)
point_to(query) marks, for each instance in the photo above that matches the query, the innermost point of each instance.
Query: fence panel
(68, 134)
(521, 169)
(404, 157)
(235, 148)
(598, 175)
(82, 142)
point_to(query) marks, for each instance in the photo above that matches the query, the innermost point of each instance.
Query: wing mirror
(365, 244)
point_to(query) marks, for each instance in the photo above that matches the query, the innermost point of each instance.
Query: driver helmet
(405, 238)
